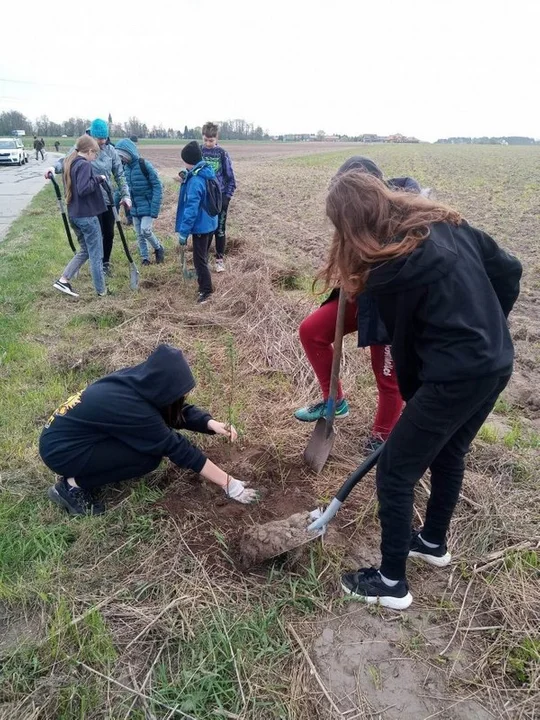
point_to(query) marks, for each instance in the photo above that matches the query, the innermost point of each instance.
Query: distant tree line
(12, 120)
(506, 140)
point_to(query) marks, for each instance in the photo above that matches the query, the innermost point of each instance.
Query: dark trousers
(42, 155)
(220, 233)
(113, 461)
(106, 220)
(434, 431)
(201, 246)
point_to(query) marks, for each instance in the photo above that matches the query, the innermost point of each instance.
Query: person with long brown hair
(444, 291)
(85, 203)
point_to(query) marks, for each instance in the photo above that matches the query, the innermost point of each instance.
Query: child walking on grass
(85, 203)
(444, 291)
(146, 194)
(192, 216)
(122, 426)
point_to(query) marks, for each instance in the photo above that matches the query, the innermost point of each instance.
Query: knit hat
(99, 129)
(358, 162)
(191, 153)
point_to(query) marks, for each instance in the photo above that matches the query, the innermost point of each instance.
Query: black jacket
(127, 405)
(86, 196)
(445, 307)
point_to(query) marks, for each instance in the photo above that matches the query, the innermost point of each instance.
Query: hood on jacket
(432, 260)
(161, 379)
(127, 147)
(359, 162)
(203, 169)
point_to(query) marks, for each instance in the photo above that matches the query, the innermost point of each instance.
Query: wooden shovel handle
(336, 358)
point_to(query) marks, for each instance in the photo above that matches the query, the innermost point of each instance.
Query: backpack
(144, 169)
(213, 201)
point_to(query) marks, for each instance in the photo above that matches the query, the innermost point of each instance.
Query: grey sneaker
(220, 265)
(107, 269)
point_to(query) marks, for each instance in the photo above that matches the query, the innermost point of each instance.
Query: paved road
(18, 185)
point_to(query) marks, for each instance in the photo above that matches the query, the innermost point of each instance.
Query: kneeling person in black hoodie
(122, 426)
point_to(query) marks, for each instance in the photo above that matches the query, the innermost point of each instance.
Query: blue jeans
(88, 233)
(145, 235)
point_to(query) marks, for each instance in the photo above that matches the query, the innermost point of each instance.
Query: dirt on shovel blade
(262, 542)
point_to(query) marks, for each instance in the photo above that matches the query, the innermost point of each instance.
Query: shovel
(186, 274)
(322, 440)
(62, 209)
(260, 543)
(133, 272)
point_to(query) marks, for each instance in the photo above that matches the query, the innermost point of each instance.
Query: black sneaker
(66, 288)
(203, 297)
(107, 269)
(439, 556)
(160, 255)
(146, 262)
(368, 586)
(74, 499)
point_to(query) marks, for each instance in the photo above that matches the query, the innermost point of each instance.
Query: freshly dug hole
(262, 542)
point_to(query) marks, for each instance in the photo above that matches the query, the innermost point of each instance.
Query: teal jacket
(146, 192)
(191, 217)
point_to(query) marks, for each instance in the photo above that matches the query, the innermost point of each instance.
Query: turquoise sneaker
(315, 412)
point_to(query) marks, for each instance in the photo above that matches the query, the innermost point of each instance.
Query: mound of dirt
(262, 542)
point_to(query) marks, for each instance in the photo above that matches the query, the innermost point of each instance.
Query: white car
(12, 152)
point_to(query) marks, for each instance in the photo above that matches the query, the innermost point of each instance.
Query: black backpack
(144, 169)
(213, 201)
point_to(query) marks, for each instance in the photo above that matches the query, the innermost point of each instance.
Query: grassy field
(143, 613)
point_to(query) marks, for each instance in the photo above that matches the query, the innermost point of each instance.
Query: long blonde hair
(373, 224)
(84, 144)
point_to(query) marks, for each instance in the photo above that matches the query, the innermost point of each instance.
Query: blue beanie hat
(99, 129)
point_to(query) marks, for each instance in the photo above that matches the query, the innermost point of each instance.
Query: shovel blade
(133, 277)
(320, 445)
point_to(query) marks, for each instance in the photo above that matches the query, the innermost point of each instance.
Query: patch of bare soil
(380, 666)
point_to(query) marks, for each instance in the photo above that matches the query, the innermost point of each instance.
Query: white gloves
(237, 490)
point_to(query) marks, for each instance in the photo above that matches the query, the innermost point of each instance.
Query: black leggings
(435, 432)
(221, 231)
(106, 220)
(113, 461)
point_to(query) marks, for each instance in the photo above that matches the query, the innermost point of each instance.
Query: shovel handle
(61, 207)
(336, 360)
(118, 221)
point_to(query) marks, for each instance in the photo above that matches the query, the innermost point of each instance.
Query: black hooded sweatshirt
(127, 405)
(445, 307)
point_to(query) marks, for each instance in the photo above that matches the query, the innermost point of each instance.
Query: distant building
(19, 133)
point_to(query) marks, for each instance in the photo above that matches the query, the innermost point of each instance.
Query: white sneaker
(220, 266)
(65, 288)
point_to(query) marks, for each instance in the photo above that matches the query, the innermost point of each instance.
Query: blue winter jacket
(146, 192)
(191, 217)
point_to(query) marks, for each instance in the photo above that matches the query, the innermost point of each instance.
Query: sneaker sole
(65, 290)
(432, 559)
(385, 601)
(337, 417)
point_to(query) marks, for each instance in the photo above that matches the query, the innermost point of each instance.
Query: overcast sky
(430, 68)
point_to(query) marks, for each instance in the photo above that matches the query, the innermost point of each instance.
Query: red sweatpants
(317, 335)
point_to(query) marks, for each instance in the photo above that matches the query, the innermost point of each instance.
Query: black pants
(435, 432)
(113, 461)
(220, 233)
(42, 155)
(201, 246)
(106, 220)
